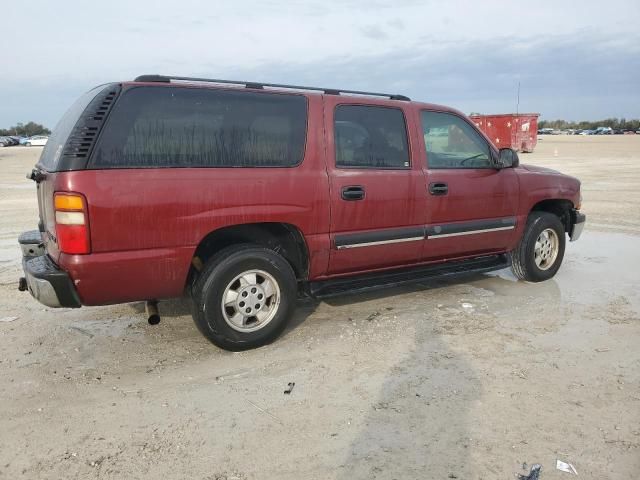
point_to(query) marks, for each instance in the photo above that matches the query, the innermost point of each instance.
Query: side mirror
(508, 158)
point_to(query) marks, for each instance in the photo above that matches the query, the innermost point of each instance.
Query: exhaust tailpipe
(153, 316)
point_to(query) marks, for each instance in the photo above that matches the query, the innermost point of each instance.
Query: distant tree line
(615, 123)
(25, 130)
(31, 128)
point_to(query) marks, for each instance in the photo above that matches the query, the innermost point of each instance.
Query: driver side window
(453, 143)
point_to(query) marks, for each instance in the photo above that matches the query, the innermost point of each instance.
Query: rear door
(376, 219)
(471, 206)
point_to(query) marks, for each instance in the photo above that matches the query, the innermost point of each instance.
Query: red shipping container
(516, 130)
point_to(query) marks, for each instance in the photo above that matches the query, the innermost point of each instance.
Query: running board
(394, 278)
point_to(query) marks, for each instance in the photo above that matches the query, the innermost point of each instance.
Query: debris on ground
(534, 474)
(467, 307)
(372, 316)
(565, 467)
(264, 411)
(82, 331)
(289, 389)
(8, 319)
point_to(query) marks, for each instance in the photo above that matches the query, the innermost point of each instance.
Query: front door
(376, 218)
(471, 205)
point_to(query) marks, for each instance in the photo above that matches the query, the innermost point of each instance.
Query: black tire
(523, 263)
(213, 281)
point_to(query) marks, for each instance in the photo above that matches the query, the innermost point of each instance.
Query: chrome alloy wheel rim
(250, 301)
(546, 249)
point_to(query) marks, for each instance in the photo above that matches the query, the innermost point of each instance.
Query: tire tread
(217, 263)
(521, 266)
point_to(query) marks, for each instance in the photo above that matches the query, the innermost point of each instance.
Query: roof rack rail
(260, 85)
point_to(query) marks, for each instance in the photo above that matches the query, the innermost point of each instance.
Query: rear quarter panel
(146, 223)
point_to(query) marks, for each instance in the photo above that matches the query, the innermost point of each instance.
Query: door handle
(438, 188)
(353, 192)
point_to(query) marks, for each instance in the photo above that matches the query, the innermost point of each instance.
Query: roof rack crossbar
(260, 85)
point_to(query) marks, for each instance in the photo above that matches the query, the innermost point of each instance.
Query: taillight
(72, 223)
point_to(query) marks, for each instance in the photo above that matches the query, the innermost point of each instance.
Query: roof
(261, 85)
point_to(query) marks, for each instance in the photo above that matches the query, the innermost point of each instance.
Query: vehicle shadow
(172, 308)
(305, 306)
(424, 285)
(416, 423)
(420, 422)
(181, 307)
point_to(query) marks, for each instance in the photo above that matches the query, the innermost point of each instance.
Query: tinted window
(197, 127)
(53, 149)
(452, 143)
(370, 137)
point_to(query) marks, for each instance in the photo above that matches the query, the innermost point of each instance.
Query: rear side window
(197, 127)
(53, 149)
(370, 137)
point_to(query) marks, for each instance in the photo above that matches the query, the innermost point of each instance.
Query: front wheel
(244, 297)
(539, 254)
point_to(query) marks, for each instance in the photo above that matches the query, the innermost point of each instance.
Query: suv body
(151, 188)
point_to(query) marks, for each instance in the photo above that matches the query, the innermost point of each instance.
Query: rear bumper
(46, 282)
(577, 224)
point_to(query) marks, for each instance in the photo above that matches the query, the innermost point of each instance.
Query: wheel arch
(283, 238)
(557, 206)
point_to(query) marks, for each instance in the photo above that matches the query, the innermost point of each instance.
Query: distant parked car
(14, 140)
(8, 141)
(37, 141)
(24, 140)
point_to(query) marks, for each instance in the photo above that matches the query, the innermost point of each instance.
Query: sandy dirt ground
(466, 379)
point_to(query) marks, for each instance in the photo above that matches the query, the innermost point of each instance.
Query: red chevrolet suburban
(246, 195)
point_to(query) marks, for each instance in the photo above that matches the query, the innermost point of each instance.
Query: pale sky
(574, 60)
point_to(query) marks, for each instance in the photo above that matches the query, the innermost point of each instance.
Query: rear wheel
(539, 254)
(244, 297)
